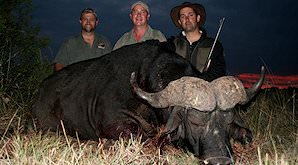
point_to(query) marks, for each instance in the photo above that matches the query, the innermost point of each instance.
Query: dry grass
(272, 118)
(50, 148)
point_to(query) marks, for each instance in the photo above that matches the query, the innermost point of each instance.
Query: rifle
(221, 22)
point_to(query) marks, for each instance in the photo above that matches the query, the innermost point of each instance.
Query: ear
(130, 16)
(198, 18)
(179, 22)
(97, 22)
(148, 16)
(174, 120)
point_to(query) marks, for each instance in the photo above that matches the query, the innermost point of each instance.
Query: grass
(271, 116)
(49, 148)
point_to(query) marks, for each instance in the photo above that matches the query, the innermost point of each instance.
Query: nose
(220, 160)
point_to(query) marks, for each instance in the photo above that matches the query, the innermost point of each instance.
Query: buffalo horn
(229, 91)
(251, 92)
(186, 91)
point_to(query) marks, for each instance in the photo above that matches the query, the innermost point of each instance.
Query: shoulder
(156, 31)
(208, 41)
(178, 39)
(72, 39)
(101, 37)
(125, 35)
(158, 34)
(122, 40)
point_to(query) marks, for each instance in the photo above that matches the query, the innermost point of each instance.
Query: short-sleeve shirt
(75, 49)
(128, 38)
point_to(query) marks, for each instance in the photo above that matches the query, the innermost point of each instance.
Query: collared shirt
(128, 38)
(75, 49)
(193, 44)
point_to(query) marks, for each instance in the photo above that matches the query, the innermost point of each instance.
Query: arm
(59, 61)
(217, 67)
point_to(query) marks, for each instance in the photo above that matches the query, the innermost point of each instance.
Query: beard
(88, 28)
(189, 28)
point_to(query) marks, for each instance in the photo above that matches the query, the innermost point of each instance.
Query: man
(141, 30)
(193, 44)
(85, 46)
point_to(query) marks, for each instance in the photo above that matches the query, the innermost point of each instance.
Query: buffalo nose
(218, 160)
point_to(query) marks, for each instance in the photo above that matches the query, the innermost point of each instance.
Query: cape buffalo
(138, 88)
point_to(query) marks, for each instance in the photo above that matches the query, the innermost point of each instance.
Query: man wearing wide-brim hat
(192, 42)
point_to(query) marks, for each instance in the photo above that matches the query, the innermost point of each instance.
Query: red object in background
(271, 81)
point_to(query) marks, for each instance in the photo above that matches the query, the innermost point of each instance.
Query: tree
(22, 65)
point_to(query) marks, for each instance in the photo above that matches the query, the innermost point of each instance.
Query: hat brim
(198, 8)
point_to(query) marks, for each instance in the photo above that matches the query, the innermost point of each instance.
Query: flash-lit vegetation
(272, 116)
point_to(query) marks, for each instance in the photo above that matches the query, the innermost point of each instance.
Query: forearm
(217, 67)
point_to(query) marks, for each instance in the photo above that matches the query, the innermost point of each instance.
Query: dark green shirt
(75, 49)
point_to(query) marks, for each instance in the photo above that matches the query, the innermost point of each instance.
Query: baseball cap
(88, 10)
(140, 3)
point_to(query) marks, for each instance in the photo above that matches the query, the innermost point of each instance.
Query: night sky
(255, 32)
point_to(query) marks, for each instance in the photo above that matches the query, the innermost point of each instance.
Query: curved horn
(229, 91)
(186, 92)
(251, 92)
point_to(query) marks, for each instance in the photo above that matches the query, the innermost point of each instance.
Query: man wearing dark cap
(193, 44)
(84, 46)
(141, 30)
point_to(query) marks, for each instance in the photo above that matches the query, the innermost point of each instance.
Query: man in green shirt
(141, 29)
(84, 46)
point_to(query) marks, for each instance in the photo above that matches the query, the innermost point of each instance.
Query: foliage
(22, 65)
(272, 117)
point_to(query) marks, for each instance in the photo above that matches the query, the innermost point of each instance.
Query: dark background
(255, 32)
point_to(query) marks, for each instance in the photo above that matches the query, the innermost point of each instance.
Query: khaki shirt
(128, 39)
(75, 49)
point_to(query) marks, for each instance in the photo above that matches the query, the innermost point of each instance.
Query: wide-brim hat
(198, 8)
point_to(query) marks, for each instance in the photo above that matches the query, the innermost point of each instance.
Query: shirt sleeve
(118, 44)
(121, 41)
(217, 67)
(62, 55)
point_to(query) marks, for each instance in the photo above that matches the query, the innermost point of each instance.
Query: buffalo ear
(173, 123)
(175, 119)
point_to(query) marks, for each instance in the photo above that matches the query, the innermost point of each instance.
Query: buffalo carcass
(105, 98)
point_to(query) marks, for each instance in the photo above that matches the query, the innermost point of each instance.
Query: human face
(139, 16)
(88, 22)
(188, 19)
